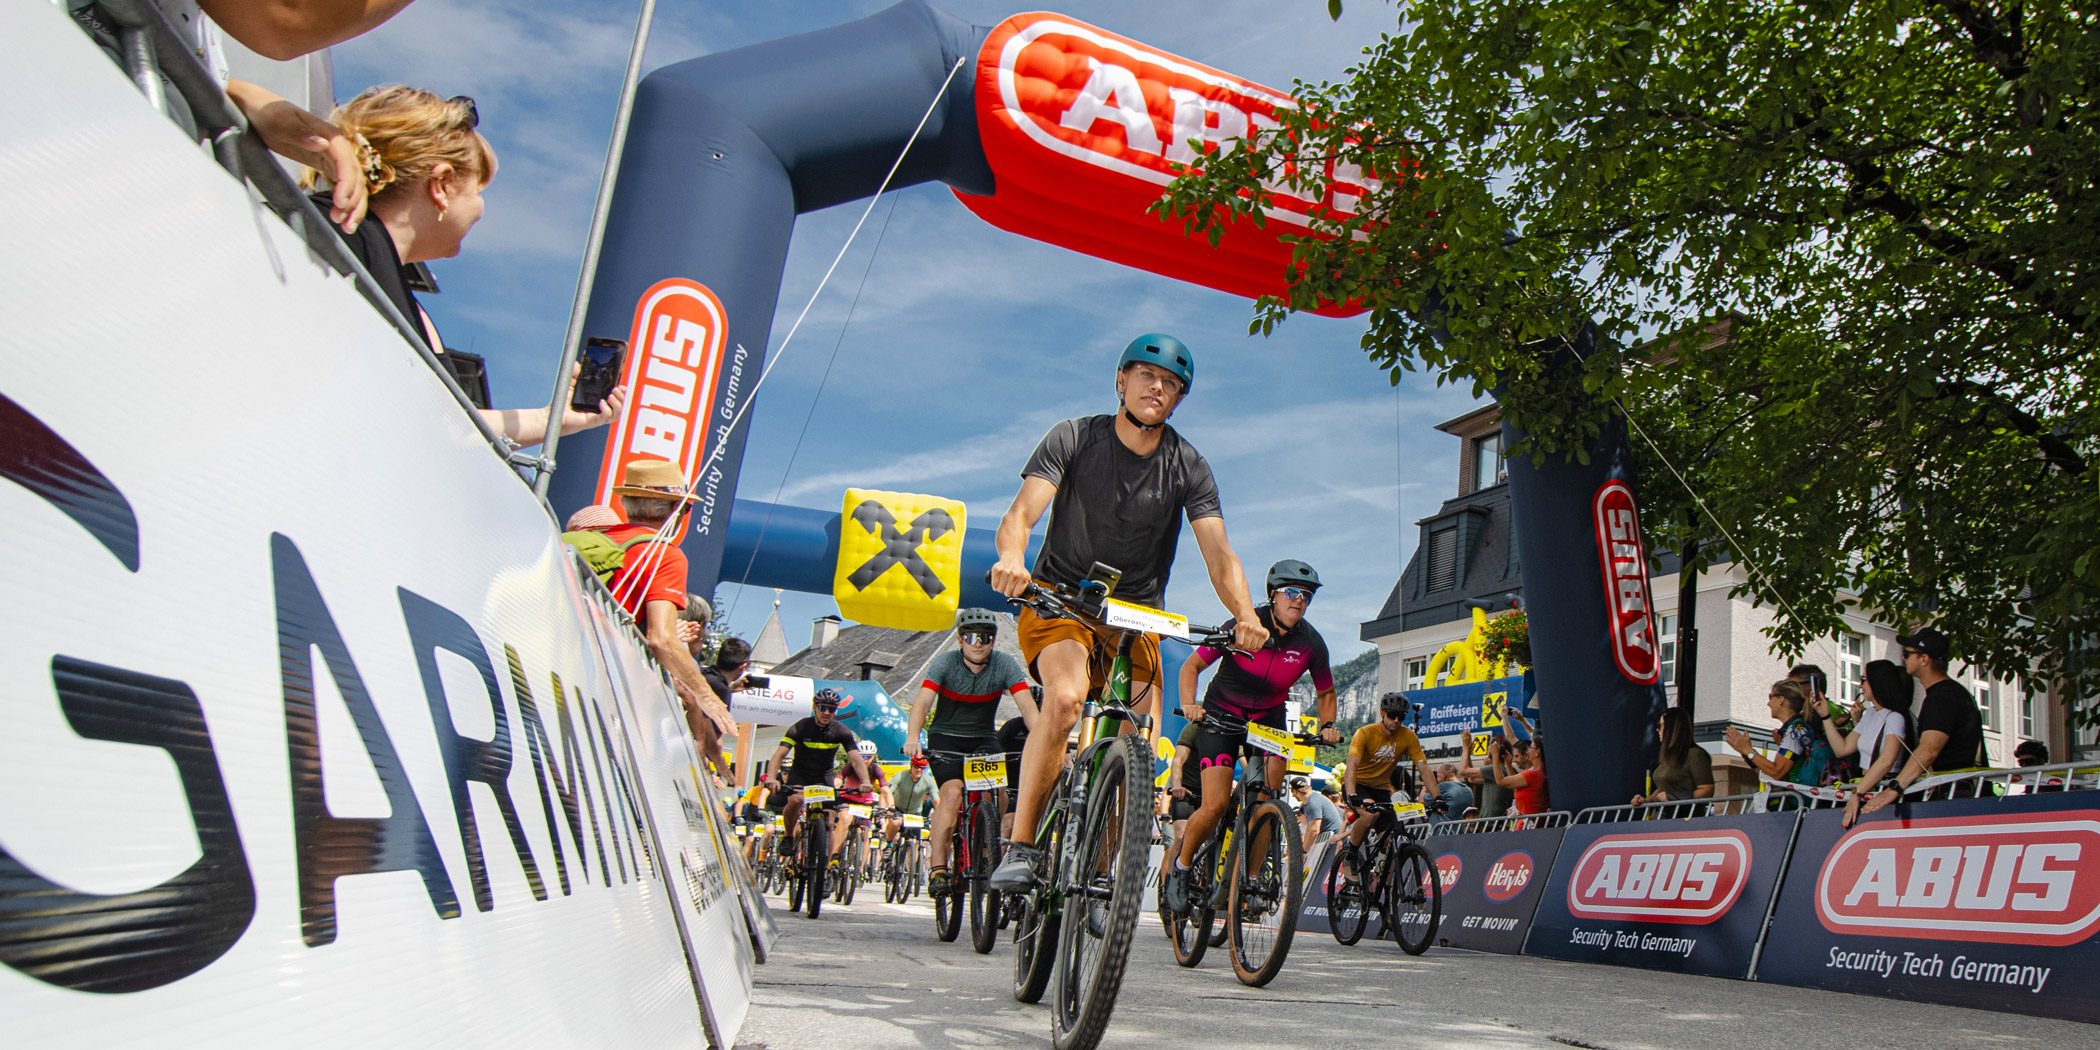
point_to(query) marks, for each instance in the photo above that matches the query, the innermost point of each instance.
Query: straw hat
(595, 516)
(651, 479)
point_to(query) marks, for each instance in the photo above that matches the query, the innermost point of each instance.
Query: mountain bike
(806, 869)
(974, 850)
(1392, 873)
(1257, 888)
(1073, 935)
(853, 855)
(904, 863)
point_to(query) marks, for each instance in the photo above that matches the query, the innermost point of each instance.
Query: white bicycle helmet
(866, 748)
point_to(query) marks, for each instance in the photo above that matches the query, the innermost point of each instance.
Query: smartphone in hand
(599, 370)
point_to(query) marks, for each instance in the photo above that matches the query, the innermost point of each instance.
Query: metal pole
(543, 472)
(1688, 630)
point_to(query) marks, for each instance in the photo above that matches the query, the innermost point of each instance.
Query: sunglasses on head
(1296, 594)
(473, 114)
(977, 637)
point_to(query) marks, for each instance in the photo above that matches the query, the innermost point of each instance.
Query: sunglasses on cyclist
(977, 637)
(473, 112)
(1296, 594)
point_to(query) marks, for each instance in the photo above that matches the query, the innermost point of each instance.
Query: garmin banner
(1991, 903)
(1683, 895)
(276, 768)
(1492, 884)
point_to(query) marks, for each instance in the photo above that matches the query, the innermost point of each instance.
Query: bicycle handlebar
(1057, 602)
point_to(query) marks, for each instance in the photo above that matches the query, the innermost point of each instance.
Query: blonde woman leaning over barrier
(425, 165)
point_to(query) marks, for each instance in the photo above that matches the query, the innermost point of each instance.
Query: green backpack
(601, 552)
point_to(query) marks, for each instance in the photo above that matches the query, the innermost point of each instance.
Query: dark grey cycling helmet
(1290, 572)
(979, 619)
(827, 697)
(1164, 351)
(1395, 704)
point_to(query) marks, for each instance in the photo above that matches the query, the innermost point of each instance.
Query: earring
(441, 215)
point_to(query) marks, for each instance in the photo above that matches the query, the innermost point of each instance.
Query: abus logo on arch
(1508, 876)
(1683, 876)
(2026, 879)
(674, 357)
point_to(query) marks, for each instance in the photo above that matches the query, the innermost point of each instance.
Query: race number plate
(861, 812)
(1139, 618)
(780, 823)
(1274, 741)
(984, 772)
(816, 793)
(1410, 811)
(914, 823)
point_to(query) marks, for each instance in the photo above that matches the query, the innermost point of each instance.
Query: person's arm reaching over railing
(286, 29)
(1930, 743)
(294, 133)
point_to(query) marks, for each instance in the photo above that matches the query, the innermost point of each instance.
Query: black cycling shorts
(793, 780)
(1222, 735)
(1184, 807)
(947, 760)
(1373, 797)
(750, 814)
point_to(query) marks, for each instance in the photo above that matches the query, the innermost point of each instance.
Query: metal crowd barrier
(1685, 809)
(1973, 783)
(1558, 818)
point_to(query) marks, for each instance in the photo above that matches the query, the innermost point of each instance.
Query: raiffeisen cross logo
(1685, 876)
(1508, 876)
(2028, 879)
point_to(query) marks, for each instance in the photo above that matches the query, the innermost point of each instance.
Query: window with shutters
(1443, 559)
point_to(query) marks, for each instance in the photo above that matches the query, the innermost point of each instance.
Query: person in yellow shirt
(1374, 754)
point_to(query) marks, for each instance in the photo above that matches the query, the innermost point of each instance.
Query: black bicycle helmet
(1290, 572)
(1395, 704)
(827, 697)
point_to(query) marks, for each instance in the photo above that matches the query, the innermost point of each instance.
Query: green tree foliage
(1865, 234)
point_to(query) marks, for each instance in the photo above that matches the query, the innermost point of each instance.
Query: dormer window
(1487, 460)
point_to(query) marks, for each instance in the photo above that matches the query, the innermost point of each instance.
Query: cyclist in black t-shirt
(816, 744)
(1116, 487)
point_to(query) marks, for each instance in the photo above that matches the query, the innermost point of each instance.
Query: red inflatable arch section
(1084, 128)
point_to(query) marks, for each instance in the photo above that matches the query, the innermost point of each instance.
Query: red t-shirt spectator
(1531, 798)
(666, 581)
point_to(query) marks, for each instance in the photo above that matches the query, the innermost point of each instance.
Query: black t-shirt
(1191, 773)
(816, 749)
(1949, 708)
(1012, 737)
(716, 681)
(374, 247)
(1116, 507)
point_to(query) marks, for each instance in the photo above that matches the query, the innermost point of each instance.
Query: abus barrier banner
(1988, 903)
(1492, 884)
(1683, 895)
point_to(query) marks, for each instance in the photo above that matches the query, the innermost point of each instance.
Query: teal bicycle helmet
(1162, 351)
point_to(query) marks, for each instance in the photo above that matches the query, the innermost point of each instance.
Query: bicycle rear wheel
(1190, 934)
(984, 856)
(1035, 948)
(1348, 907)
(1262, 915)
(1100, 910)
(1417, 896)
(849, 871)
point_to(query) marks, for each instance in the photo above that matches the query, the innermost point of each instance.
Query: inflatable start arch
(1056, 130)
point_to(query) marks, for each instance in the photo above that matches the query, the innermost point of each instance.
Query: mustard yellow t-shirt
(1373, 754)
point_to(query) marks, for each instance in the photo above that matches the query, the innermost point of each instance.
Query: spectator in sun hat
(597, 516)
(1950, 727)
(650, 583)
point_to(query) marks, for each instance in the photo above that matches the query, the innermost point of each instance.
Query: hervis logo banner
(900, 559)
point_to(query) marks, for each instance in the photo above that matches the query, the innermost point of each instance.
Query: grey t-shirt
(1116, 507)
(1316, 807)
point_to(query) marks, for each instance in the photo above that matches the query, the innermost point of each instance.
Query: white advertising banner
(783, 700)
(308, 734)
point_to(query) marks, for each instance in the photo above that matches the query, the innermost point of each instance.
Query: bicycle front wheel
(1263, 913)
(1101, 906)
(816, 853)
(1417, 896)
(984, 856)
(1190, 934)
(1348, 907)
(948, 905)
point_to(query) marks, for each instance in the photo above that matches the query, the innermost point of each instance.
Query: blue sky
(966, 342)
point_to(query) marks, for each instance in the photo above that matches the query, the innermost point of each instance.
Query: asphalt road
(872, 977)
